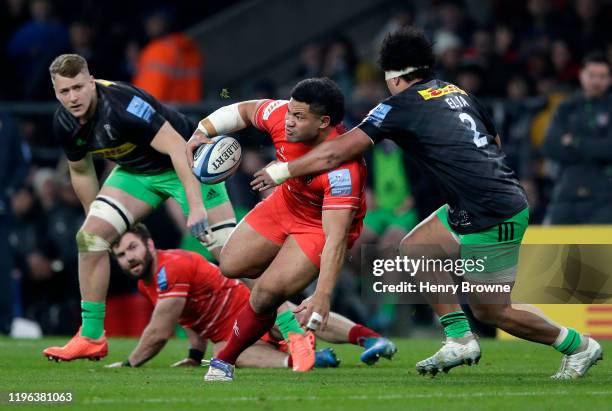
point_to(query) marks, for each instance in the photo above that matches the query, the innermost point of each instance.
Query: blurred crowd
(522, 58)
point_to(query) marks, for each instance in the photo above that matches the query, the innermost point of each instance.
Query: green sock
(93, 319)
(287, 323)
(570, 341)
(455, 324)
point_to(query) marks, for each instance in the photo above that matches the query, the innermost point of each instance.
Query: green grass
(510, 376)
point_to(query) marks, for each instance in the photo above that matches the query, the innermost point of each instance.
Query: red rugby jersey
(211, 298)
(343, 187)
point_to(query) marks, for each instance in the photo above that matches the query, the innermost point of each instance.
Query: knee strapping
(113, 212)
(221, 232)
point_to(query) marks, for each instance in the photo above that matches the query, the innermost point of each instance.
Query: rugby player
(187, 289)
(302, 229)
(451, 137)
(146, 140)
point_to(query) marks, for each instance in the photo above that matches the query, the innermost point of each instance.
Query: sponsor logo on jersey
(162, 279)
(340, 182)
(273, 106)
(115, 152)
(236, 328)
(378, 114)
(140, 109)
(430, 93)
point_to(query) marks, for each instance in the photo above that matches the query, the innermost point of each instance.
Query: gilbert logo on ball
(215, 162)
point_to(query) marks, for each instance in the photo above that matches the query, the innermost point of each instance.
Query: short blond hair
(68, 65)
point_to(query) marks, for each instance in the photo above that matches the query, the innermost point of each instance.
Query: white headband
(393, 74)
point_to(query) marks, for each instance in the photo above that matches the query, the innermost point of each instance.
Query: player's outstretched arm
(84, 180)
(159, 330)
(324, 157)
(336, 225)
(224, 120)
(168, 141)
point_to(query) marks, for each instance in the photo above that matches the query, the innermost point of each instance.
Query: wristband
(203, 129)
(278, 172)
(196, 355)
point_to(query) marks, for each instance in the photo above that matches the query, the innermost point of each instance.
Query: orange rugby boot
(302, 351)
(79, 347)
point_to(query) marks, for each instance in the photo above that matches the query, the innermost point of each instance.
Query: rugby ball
(215, 162)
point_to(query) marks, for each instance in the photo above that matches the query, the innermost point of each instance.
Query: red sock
(248, 328)
(359, 333)
(290, 362)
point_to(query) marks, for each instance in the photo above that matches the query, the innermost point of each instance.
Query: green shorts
(154, 189)
(380, 220)
(495, 250)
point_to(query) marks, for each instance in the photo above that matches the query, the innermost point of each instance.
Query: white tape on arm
(278, 172)
(203, 129)
(227, 119)
(315, 321)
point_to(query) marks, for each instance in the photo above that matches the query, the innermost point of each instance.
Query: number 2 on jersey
(479, 139)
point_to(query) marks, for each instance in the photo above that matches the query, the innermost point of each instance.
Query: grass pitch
(510, 376)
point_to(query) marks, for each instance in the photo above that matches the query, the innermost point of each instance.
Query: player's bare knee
(490, 314)
(265, 299)
(234, 267)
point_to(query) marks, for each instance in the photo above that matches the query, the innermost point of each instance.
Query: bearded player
(187, 289)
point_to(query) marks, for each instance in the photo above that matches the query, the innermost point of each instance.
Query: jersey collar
(424, 81)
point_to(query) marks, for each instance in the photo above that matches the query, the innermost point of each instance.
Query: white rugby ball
(215, 162)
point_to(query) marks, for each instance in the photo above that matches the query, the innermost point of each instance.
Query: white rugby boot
(576, 365)
(219, 371)
(454, 352)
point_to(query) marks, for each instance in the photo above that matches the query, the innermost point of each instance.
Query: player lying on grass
(186, 288)
(452, 138)
(303, 229)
